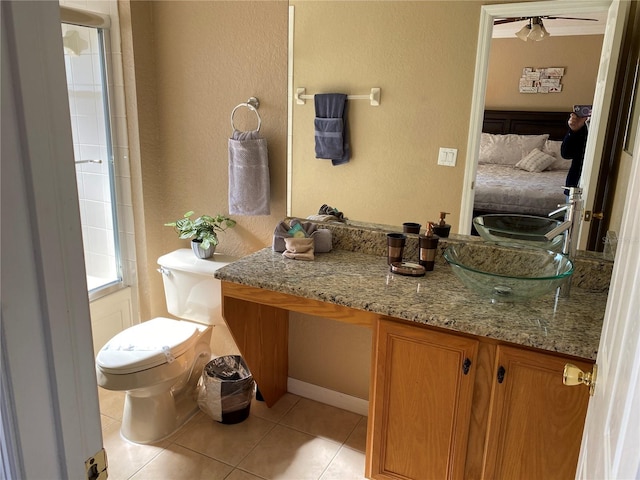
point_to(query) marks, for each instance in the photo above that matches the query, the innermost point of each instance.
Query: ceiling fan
(534, 29)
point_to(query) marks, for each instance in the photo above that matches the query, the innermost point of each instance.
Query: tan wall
(331, 354)
(194, 62)
(580, 56)
(622, 185)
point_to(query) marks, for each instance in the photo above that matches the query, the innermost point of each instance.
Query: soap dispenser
(443, 228)
(428, 248)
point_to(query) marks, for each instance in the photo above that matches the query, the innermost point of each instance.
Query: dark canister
(411, 227)
(395, 247)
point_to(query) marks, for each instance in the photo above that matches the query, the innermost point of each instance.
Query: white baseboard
(329, 397)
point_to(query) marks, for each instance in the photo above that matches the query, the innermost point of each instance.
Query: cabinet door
(535, 422)
(422, 395)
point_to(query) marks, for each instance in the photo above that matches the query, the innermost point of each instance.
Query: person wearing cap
(574, 145)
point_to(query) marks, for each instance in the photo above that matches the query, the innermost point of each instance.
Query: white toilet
(158, 362)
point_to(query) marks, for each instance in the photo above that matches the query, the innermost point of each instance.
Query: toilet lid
(147, 345)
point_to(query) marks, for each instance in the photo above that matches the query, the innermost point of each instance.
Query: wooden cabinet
(442, 405)
(422, 398)
(535, 422)
(447, 406)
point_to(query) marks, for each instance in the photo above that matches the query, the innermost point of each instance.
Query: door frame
(616, 135)
(49, 380)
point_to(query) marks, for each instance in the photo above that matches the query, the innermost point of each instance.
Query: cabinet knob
(572, 376)
(466, 365)
(500, 375)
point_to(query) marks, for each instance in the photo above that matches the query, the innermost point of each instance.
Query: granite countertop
(363, 281)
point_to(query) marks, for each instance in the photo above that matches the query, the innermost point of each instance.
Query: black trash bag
(225, 389)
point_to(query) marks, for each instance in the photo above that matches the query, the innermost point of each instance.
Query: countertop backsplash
(591, 271)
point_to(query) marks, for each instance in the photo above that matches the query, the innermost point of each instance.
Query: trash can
(225, 389)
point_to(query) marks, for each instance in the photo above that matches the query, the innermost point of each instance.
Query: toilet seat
(147, 345)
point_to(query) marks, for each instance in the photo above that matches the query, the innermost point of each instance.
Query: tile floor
(296, 439)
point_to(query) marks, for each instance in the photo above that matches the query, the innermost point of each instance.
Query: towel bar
(373, 97)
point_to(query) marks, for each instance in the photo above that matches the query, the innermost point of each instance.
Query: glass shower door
(84, 54)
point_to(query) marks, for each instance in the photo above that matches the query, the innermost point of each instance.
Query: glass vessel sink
(519, 230)
(508, 273)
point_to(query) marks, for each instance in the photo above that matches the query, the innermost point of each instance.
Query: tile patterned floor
(297, 439)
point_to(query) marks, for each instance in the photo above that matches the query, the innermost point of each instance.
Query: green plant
(203, 229)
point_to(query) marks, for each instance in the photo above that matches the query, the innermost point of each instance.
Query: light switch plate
(447, 157)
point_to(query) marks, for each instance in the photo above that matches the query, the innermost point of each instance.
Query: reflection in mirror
(426, 71)
(634, 114)
(349, 47)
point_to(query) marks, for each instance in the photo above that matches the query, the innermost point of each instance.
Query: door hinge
(96, 466)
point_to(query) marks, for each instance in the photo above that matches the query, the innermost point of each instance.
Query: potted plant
(203, 231)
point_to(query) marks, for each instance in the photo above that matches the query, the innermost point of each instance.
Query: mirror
(426, 96)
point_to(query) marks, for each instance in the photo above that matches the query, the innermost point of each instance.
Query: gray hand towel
(322, 240)
(249, 188)
(331, 132)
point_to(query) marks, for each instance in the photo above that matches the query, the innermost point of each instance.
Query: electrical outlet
(447, 157)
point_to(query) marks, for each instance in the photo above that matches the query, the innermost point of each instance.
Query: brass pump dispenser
(442, 229)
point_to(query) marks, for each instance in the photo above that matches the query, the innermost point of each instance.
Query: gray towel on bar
(331, 132)
(249, 188)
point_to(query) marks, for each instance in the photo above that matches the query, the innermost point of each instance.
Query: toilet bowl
(158, 362)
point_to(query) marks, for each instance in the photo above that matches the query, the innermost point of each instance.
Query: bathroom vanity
(460, 387)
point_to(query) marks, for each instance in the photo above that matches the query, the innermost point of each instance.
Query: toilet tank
(191, 291)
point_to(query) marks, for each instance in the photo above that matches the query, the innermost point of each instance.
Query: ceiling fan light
(537, 33)
(523, 33)
(545, 34)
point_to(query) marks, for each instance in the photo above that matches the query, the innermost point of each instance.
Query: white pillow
(536, 161)
(508, 149)
(561, 164)
(552, 147)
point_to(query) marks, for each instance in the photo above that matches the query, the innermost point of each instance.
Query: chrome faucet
(573, 211)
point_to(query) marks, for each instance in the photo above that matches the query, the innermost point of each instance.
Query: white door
(50, 421)
(610, 444)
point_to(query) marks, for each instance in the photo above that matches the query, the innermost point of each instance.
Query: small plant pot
(202, 252)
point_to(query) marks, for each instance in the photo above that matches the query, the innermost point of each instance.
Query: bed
(520, 169)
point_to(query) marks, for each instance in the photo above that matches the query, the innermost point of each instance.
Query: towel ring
(252, 104)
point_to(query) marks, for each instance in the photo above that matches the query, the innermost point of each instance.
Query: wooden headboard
(526, 123)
